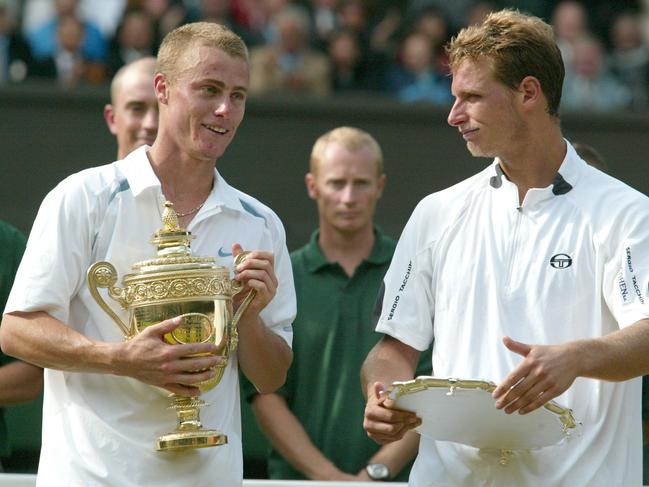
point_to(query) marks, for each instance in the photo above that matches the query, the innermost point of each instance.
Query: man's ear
(381, 183)
(531, 92)
(161, 88)
(311, 189)
(109, 116)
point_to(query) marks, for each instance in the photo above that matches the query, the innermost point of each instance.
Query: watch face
(378, 471)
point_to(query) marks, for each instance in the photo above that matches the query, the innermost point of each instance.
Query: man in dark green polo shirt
(315, 422)
(19, 382)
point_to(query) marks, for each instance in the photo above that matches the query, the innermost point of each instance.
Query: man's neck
(347, 249)
(537, 162)
(185, 182)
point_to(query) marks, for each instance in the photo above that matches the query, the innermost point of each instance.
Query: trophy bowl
(177, 284)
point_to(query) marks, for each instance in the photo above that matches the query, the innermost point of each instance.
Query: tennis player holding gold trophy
(176, 283)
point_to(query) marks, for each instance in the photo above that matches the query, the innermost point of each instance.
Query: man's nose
(456, 116)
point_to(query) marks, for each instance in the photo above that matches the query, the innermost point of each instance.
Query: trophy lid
(173, 248)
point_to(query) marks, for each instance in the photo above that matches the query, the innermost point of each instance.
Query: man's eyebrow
(221, 84)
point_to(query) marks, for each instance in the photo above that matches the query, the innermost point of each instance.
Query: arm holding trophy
(264, 356)
(146, 357)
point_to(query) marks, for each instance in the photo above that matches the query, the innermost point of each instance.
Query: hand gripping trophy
(176, 283)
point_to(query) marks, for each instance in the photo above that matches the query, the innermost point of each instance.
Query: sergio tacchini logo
(561, 261)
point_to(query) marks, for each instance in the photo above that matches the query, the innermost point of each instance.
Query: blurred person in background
(132, 114)
(68, 64)
(166, 16)
(570, 23)
(479, 11)
(15, 53)
(589, 85)
(315, 421)
(432, 23)
(290, 65)
(254, 17)
(348, 70)
(325, 21)
(413, 78)
(104, 14)
(135, 39)
(44, 39)
(629, 58)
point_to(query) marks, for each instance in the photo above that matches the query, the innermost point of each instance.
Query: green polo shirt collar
(315, 259)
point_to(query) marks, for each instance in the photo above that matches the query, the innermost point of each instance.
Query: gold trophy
(176, 283)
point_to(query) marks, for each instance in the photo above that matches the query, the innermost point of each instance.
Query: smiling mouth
(215, 129)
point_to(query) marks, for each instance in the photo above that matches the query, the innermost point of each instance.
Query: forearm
(19, 382)
(263, 355)
(398, 454)
(618, 356)
(40, 339)
(390, 360)
(289, 438)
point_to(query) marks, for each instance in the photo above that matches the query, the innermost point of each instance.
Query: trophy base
(183, 440)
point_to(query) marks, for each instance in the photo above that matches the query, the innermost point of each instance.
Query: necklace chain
(193, 210)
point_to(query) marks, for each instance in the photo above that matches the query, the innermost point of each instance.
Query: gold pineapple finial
(170, 218)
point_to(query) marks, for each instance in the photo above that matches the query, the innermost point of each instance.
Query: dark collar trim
(559, 185)
(496, 181)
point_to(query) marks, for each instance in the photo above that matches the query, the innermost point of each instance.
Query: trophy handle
(237, 287)
(104, 274)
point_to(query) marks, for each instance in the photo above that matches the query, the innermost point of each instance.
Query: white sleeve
(57, 255)
(408, 301)
(626, 274)
(281, 311)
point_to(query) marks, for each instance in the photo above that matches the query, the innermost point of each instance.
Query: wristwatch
(378, 471)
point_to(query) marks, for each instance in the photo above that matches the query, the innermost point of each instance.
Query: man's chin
(477, 151)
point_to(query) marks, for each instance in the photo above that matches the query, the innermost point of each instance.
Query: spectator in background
(68, 65)
(589, 85)
(104, 14)
(132, 114)
(570, 23)
(629, 59)
(325, 21)
(135, 39)
(19, 381)
(166, 16)
(479, 11)
(15, 54)
(217, 11)
(413, 78)
(254, 17)
(348, 71)
(315, 421)
(289, 65)
(432, 23)
(44, 39)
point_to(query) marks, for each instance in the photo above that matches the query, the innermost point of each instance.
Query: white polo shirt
(99, 429)
(571, 262)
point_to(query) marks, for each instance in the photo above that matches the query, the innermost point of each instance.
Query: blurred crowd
(322, 47)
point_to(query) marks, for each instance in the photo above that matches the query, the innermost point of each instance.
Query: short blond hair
(350, 138)
(518, 45)
(179, 40)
